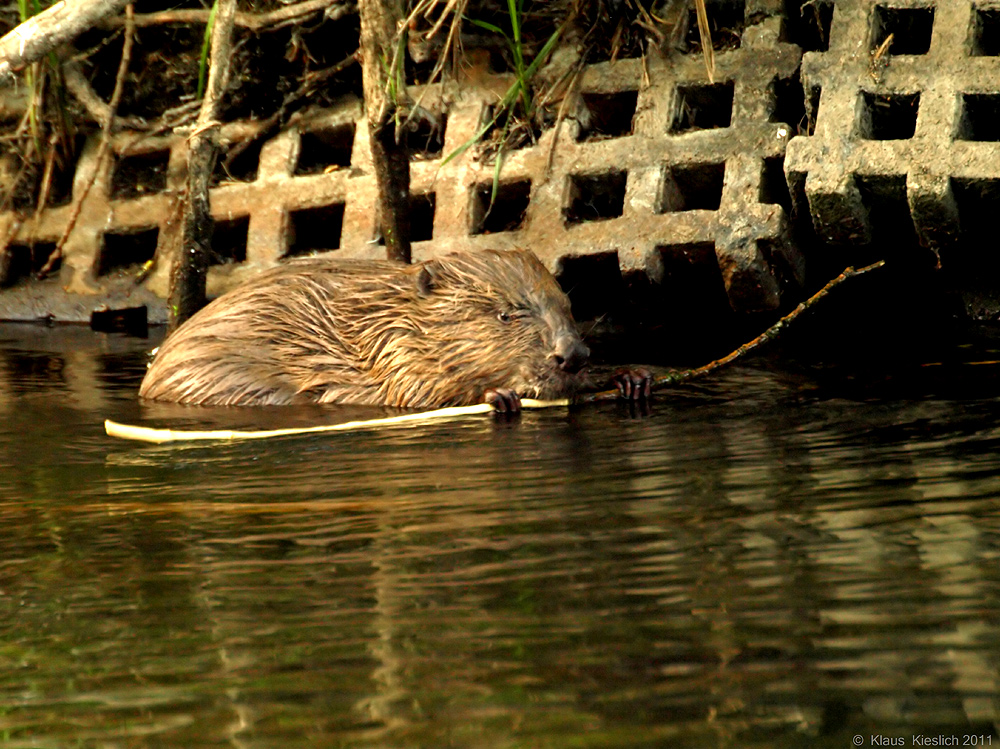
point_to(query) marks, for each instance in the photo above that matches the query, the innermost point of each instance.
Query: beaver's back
(264, 343)
(441, 332)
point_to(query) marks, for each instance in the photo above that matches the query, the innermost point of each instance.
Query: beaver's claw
(634, 384)
(504, 400)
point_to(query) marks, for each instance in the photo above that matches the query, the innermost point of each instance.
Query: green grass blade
(493, 28)
(206, 44)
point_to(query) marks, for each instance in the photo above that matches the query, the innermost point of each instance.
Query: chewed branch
(683, 375)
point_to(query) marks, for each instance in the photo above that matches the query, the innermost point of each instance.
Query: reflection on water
(762, 561)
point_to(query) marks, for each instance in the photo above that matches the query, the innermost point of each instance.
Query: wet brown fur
(437, 333)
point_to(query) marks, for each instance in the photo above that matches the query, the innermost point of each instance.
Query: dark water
(779, 556)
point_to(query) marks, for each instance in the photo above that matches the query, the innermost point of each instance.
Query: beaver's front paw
(504, 400)
(634, 384)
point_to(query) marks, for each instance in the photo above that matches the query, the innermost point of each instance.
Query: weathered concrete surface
(903, 116)
(687, 167)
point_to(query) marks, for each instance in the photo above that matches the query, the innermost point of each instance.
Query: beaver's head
(489, 319)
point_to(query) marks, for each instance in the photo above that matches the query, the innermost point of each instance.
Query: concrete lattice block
(918, 120)
(652, 158)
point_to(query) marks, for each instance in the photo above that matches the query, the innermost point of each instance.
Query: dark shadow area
(20, 262)
(726, 21)
(238, 164)
(507, 211)
(131, 321)
(325, 148)
(985, 40)
(888, 116)
(773, 184)
(229, 241)
(789, 104)
(702, 106)
(139, 174)
(910, 28)
(595, 197)
(692, 187)
(610, 115)
(808, 24)
(979, 118)
(316, 229)
(124, 249)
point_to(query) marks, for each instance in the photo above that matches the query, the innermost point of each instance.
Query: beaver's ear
(426, 280)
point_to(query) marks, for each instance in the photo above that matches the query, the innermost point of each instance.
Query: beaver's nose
(570, 353)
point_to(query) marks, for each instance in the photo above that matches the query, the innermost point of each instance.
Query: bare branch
(50, 29)
(251, 21)
(79, 86)
(190, 268)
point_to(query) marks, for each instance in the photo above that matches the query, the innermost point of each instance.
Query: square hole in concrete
(979, 118)
(325, 149)
(126, 248)
(985, 32)
(702, 106)
(238, 164)
(610, 115)
(692, 288)
(20, 261)
(808, 25)
(889, 211)
(229, 241)
(888, 116)
(139, 174)
(422, 217)
(595, 197)
(910, 29)
(773, 185)
(593, 284)
(425, 138)
(315, 229)
(508, 210)
(692, 187)
(726, 21)
(978, 202)
(789, 104)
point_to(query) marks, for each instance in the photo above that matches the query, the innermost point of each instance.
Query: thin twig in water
(675, 378)
(102, 149)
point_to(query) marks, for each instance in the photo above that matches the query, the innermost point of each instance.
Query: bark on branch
(190, 267)
(381, 22)
(50, 29)
(253, 21)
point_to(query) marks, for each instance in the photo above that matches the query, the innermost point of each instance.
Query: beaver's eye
(513, 314)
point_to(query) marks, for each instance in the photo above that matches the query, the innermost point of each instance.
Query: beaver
(453, 330)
